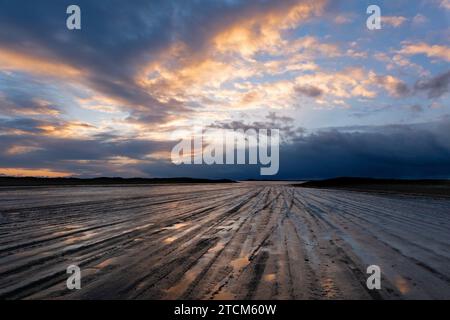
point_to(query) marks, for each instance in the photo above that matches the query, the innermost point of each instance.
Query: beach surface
(249, 240)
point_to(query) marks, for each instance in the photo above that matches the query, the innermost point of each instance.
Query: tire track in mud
(108, 241)
(352, 213)
(240, 241)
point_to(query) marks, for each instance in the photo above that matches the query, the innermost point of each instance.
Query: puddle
(219, 246)
(239, 263)
(106, 263)
(178, 289)
(66, 229)
(73, 226)
(328, 288)
(178, 226)
(270, 277)
(144, 226)
(85, 236)
(89, 272)
(224, 295)
(402, 285)
(170, 239)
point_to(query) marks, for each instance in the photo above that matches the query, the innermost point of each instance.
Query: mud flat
(221, 241)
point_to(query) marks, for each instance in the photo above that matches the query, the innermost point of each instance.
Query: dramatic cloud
(107, 99)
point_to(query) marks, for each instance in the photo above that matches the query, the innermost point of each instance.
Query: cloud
(108, 57)
(160, 60)
(444, 4)
(394, 21)
(104, 100)
(81, 156)
(261, 30)
(390, 151)
(394, 86)
(285, 124)
(309, 91)
(15, 150)
(348, 83)
(38, 172)
(402, 151)
(342, 19)
(434, 87)
(11, 60)
(431, 51)
(419, 19)
(401, 62)
(407, 151)
(17, 103)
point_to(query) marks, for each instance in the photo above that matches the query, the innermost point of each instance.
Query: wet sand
(250, 240)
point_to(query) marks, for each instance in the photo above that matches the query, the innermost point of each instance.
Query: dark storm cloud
(436, 86)
(417, 151)
(399, 151)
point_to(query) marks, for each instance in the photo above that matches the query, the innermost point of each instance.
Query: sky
(112, 98)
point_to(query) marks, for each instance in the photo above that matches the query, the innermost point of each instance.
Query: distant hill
(34, 181)
(402, 186)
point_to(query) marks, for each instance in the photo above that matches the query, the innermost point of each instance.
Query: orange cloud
(431, 51)
(263, 30)
(342, 19)
(73, 129)
(16, 150)
(23, 172)
(13, 61)
(394, 86)
(351, 82)
(100, 104)
(394, 21)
